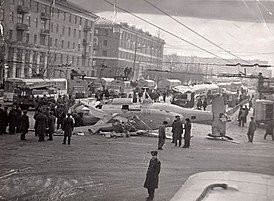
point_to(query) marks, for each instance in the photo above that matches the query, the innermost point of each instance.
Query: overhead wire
(187, 27)
(168, 32)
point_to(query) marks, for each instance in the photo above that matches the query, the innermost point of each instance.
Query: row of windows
(39, 7)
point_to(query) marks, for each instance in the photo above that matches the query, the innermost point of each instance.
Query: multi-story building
(48, 37)
(120, 46)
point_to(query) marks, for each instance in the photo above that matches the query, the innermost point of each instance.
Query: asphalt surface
(101, 169)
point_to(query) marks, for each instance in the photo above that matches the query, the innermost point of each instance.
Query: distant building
(120, 46)
(46, 36)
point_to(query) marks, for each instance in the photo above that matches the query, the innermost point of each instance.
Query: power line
(167, 32)
(195, 31)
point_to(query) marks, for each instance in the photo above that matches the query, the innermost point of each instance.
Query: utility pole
(134, 61)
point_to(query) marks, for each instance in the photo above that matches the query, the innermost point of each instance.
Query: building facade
(45, 37)
(120, 46)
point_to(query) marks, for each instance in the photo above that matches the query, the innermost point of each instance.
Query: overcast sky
(245, 28)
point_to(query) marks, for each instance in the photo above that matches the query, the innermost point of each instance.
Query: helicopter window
(193, 117)
(125, 107)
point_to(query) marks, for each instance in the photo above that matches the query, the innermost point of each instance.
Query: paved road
(100, 169)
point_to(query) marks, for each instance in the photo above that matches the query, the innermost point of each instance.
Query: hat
(154, 153)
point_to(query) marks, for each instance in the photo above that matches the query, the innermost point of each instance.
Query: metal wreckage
(121, 117)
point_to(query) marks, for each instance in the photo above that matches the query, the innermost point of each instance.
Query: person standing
(152, 175)
(51, 125)
(12, 120)
(241, 116)
(41, 126)
(24, 124)
(177, 129)
(1, 120)
(162, 135)
(251, 129)
(68, 126)
(205, 104)
(269, 129)
(187, 136)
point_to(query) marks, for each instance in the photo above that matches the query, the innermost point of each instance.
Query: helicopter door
(269, 111)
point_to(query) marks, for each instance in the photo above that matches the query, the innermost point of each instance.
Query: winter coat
(152, 175)
(41, 124)
(252, 127)
(68, 126)
(51, 123)
(162, 132)
(187, 131)
(24, 123)
(177, 129)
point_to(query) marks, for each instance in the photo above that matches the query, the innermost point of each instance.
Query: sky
(244, 28)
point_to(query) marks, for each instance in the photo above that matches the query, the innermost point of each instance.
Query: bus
(187, 96)
(11, 84)
(120, 87)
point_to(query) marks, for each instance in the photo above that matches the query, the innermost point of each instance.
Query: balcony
(45, 16)
(87, 28)
(22, 27)
(22, 9)
(44, 32)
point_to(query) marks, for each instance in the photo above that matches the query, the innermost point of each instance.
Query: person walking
(24, 125)
(251, 129)
(152, 175)
(269, 129)
(162, 135)
(187, 136)
(242, 116)
(177, 129)
(41, 125)
(51, 125)
(68, 126)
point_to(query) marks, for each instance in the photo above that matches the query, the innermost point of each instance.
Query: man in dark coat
(269, 129)
(162, 135)
(187, 136)
(51, 125)
(251, 129)
(177, 130)
(5, 120)
(1, 120)
(61, 115)
(24, 124)
(41, 125)
(68, 126)
(19, 114)
(12, 120)
(152, 175)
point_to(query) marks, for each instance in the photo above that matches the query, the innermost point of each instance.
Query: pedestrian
(61, 115)
(5, 119)
(242, 116)
(68, 126)
(51, 125)
(199, 103)
(12, 120)
(19, 114)
(246, 113)
(1, 120)
(162, 135)
(177, 130)
(187, 135)
(205, 104)
(24, 124)
(269, 129)
(152, 175)
(251, 129)
(41, 125)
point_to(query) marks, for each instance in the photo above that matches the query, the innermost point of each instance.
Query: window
(56, 42)
(79, 47)
(80, 33)
(64, 16)
(37, 7)
(63, 30)
(10, 34)
(73, 45)
(55, 57)
(96, 31)
(11, 16)
(89, 49)
(12, 2)
(104, 53)
(74, 33)
(70, 16)
(19, 35)
(42, 40)
(105, 42)
(43, 24)
(62, 44)
(29, 4)
(20, 18)
(67, 58)
(57, 28)
(51, 27)
(27, 38)
(36, 22)
(50, 42)
(58, 14)
(61, 58)
(72, 60)
(78, 61)
(28, 20)
(21, 2)
(35, 39)
(68, 46)
(80, 21)
(95, 41)
(75, 19)
(69, 29)
(2, 14)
